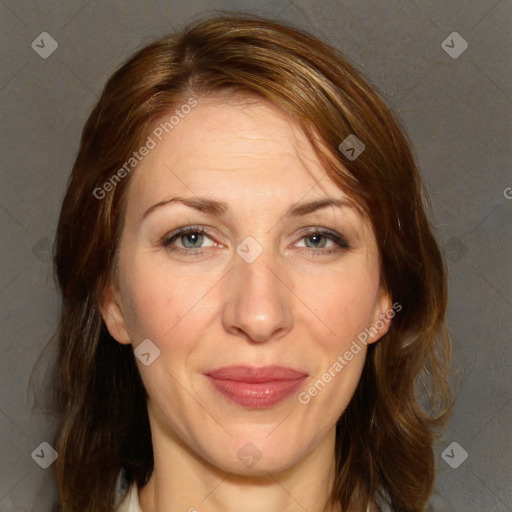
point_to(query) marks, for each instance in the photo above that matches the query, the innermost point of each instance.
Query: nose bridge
(257, 305)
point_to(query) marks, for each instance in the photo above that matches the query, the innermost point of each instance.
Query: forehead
(241, 150)
(239, 132)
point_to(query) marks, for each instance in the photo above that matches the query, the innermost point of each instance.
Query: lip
(256, 387)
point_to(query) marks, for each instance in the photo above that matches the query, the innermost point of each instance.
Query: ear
(113, 315)
(382, 315)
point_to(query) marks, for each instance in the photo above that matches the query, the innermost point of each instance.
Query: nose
(258, 301)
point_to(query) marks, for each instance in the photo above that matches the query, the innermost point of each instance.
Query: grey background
(457, 111)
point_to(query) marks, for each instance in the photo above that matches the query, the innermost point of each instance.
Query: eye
(190, 241)
(319, 238)
(190, 238)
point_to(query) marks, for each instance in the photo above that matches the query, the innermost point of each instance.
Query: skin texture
(296, 305)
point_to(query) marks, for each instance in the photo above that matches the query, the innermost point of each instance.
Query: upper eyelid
(206, 230)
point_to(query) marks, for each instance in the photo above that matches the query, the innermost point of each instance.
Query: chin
(255, 458)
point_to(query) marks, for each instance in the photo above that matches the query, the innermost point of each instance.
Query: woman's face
(268, 276)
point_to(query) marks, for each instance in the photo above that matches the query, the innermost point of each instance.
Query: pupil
(191, 238)
(316, 238)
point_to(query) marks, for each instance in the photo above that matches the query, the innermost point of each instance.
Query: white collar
(130, 502)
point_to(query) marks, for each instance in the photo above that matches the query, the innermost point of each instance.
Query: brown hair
(385, 438)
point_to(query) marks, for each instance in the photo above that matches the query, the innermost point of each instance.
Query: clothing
(130, 503)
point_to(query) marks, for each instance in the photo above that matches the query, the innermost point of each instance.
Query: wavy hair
(385, 437)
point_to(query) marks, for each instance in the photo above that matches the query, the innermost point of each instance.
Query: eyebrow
(220, 209)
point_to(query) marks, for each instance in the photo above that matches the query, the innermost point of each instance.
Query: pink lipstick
(256, 388)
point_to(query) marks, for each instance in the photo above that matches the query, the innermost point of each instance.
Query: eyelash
(337, 238)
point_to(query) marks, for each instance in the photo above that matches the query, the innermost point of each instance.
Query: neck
(182, 480)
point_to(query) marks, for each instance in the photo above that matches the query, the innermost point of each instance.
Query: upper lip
(253, 374)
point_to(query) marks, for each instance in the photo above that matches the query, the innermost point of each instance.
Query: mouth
(256, 388)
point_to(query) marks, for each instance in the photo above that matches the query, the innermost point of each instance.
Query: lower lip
(256, 395)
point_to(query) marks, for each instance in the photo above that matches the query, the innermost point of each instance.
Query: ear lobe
(113, 315)
(381, 316)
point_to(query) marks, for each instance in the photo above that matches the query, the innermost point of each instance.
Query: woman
(253, 298)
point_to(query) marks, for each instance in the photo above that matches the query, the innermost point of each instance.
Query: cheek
(343, 304)
(169, 307)
(151, 301)
(161, 315)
